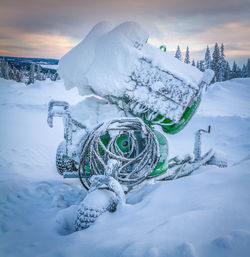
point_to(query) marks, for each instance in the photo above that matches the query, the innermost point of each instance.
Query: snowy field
(206, 214)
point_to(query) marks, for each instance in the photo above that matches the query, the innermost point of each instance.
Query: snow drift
(204, 215)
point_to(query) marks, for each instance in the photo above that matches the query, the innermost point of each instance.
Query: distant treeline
(218, 63)
(26, 71)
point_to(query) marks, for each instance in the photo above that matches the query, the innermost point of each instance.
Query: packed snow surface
(108, 55)
(205, 214)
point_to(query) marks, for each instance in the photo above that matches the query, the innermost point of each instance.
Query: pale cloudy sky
(49, 28)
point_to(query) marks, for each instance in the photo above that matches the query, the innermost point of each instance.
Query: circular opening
(125, 143)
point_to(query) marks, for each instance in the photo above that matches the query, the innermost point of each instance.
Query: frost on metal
(155, 91)
(61, 109)
(63, 162)
(139, 157)
(159, 91)
(197, 143)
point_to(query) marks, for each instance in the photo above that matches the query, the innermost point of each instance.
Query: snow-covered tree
(248, 68)
(19, 76)
(4, 69)
(244, 71)
(227, 73)
(53, 76)
(201, 65)
(1, 68)
(15, 71)
(1, 75)
(12, 74)
(193, 63)
(239, 72)
(215, 65)
(236, 71)
(31, 78)
(48, 75)
(198, 65)
(223, 64)
(39, 72)
(187, 58)
(56, 76)
(178, 54)
(207, 59)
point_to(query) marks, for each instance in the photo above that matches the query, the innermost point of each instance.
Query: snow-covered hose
(133, 165)
(104, 195)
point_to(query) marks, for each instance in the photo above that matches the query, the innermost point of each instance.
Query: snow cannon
(135, 94)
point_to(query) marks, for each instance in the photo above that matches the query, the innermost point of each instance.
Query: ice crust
(168, 96)
(103, 62)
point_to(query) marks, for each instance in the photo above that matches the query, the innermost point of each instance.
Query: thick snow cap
(104, 60)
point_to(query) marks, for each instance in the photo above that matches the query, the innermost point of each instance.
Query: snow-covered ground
(206, 214)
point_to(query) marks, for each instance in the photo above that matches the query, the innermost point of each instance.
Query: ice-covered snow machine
(135, 94)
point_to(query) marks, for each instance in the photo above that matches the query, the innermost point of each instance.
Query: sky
(50, 28)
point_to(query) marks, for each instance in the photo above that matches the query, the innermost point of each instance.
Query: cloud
(36, 45)
(172, 21)
(234, 36)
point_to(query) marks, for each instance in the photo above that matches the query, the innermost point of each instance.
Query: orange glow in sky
(49, 28)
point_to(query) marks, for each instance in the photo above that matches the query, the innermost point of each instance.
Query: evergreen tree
(202, 67)
(215, 65)
(222, 69)
(227, 71)
(248, 68)
(235, 71)
(207, 60)
(39, 72)
(31, 78)
(43, 76)
(238, 72)
(1, 67)
(21, 76)
(6, 70)
(193, 63)
(187, 58)
(48, 75)
(244, 71)
(53, 77)
(18, 76)
(198, 65)
(15, 71)
(56, 76)
(178, 54)
(12, 74)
